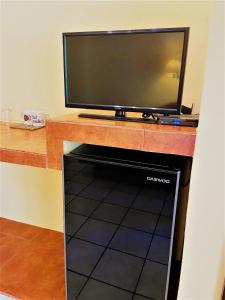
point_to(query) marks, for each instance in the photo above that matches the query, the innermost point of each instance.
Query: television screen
(139, 70)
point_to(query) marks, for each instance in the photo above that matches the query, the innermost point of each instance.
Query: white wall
(203, 268)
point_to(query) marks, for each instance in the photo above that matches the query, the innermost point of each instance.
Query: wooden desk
(128, 135)
(23, 147)
(44, 147)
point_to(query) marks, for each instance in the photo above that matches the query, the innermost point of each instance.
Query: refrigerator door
(119, 229)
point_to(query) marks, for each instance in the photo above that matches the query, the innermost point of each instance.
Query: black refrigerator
(123, 236)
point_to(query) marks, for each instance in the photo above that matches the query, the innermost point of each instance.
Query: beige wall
(32, 64)
(203, 268)
(32, 195)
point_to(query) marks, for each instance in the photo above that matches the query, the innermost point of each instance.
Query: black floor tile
(120, 198)
(168, 207)
(96, 231)
(68, 238)
(140, 220)
(90, 170)
(76, 187)
(164, 226)
(110, 213)
(127, 188)
(82, 178)
(82, 256)
(75, 282)
(68, 174)
(95, 290)
(95, 192)
(150, 200)
(119, 269)
(68, 198)
(67, 187)
(83, 206)
(131, 241)
(73, 222)
(159, 250)
(103, 182)
(153, 281)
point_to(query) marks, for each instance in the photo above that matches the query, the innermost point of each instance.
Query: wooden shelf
(128, 135)
(23, 147)
(44, 147)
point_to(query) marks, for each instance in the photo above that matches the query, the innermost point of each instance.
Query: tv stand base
(146, 118)
(119, 116)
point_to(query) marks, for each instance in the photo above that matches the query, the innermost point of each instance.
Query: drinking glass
(6, 116)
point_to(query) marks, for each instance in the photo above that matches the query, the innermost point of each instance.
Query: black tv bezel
(125, 108)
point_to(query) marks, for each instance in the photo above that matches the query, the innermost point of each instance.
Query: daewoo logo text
(155, 179)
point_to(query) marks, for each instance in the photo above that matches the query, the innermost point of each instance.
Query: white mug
(6, 116)
(35, 118)
(28, 117)
(39, 118)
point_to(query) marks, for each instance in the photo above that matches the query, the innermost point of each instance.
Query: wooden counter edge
(23, 158)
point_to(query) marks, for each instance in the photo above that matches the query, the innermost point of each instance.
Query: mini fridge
(123, 237)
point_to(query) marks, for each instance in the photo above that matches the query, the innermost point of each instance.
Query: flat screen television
(129, 70)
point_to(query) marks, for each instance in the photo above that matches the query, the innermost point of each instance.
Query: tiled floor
(118, 237)
(31, 262)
